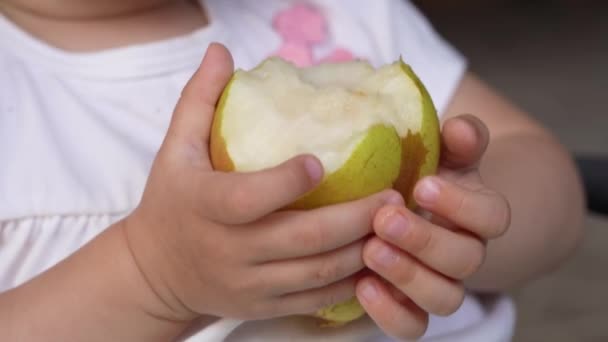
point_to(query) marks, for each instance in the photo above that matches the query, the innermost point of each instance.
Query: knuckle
(328, 272)
(413, 331)
(421, 241)
(474, 262)
(449, 304)
(418, 330)
(499, 215)
(313, 236)
(238, 201)
(461, 206)
(188, 91)
(368, 251)
(408, 272)
(503, 213)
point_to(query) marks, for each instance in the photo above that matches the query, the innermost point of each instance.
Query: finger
(312, 301)
(303, 274)
(295, 234)
(236, 198)
(191, 121)
(430, 290)
(480, 211)
(454, 254)
(400, 320)
(464, 141)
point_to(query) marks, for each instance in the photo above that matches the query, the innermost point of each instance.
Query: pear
(371, 128)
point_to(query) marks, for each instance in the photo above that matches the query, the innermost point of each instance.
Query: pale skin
(508, 196)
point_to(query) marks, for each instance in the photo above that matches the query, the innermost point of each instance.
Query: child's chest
(71, 147)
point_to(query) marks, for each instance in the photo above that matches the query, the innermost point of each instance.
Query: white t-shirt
(78, 132)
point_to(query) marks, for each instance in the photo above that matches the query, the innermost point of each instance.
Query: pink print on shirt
(302, 27)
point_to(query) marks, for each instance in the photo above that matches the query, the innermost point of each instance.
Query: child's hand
(423, 264)
(212, 243)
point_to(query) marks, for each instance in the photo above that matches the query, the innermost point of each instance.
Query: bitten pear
(371, 128)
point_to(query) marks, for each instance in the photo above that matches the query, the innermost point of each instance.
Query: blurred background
(551, 58)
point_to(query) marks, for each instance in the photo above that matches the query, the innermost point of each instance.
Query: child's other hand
(420, 265)
(213, 243)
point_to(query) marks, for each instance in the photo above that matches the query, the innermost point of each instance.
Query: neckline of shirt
(134, 61)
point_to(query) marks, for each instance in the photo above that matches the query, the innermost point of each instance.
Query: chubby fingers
(464, 140)
(402, 320)
(310, 301)
(296, 275)
(454, 254)
(236, 198)
(191, 120)
(296, 234)
(430, 290)
(479, 210)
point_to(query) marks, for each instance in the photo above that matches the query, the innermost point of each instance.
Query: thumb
(464, 141)
(236, 198)
(193, 115)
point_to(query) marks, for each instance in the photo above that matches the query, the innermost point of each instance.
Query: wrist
(161, 302)
(154, 262)
(143, 295)
(159, 266)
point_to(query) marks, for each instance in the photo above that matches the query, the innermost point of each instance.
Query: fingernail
(396, 226)
(314, 169)
(369, 292)
(427, 191)
(385, 256)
